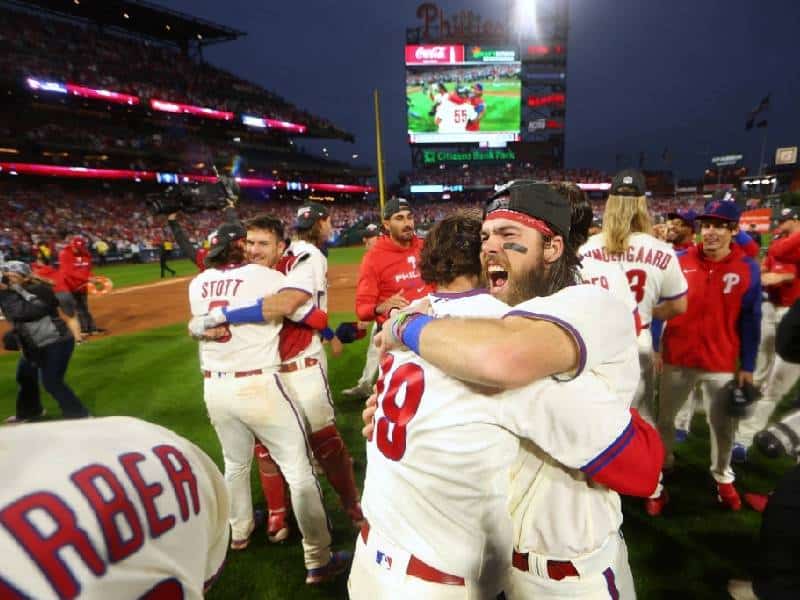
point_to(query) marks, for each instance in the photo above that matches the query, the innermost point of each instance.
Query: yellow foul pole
(379, 147)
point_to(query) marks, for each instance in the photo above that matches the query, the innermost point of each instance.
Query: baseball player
(363, 388)
(304, 364)
(775, 376)
(565, 530)
(713, 342)
(650, 265)
(479, 104)
(452, 117)
(247, 399)
(127, 509)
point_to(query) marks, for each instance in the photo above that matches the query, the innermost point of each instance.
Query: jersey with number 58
(108, 508)
(650, 265)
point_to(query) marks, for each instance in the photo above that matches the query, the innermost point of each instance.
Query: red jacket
(51, 274)
(75, 268)
(783, 294)
(722, 325)
(787, 249)
(388, 268)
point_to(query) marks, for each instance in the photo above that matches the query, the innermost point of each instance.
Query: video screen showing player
(451, 99)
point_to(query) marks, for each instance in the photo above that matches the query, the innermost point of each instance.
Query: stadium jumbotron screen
(462, 94)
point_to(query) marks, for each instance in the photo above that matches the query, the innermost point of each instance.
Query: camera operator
(30, 304)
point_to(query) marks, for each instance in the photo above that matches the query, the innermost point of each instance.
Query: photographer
(46, 343)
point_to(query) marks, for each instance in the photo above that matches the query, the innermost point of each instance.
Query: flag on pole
(751, 118)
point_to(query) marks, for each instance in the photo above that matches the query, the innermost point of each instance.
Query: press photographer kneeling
(30, 304)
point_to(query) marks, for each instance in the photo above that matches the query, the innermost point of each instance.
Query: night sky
(642, 75)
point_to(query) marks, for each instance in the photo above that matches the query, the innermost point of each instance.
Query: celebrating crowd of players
(512, 408)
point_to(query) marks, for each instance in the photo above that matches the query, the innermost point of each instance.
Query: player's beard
(527, 285)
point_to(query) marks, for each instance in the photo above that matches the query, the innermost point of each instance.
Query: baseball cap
(308, 214)
(718, 209)
(394, 206)
(371, 231)
(533, 199)
(788, 214)
(16, 266)
(628, 182)
(225, 235)
(686, 215)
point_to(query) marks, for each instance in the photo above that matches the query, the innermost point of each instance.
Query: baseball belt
(583, 566)
(296, 365)
(237, 374)
(420, 569)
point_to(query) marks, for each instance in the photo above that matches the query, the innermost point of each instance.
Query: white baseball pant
(676, 383)
(644, 399)
(683, 420)
(309, 387)
(243, 407)
(766, 346)
(379, 571)
(779, 381)
(372, 361)
(605, 574)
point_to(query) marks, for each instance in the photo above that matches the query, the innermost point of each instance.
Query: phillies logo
(430, 53)
(412, 260)
(730, 279)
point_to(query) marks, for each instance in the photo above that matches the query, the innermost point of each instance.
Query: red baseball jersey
(783, 294)
(722, 325)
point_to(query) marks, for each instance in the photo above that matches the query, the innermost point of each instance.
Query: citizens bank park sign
(432, 157)
(435, 25)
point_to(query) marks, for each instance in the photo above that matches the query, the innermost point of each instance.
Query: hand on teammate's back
(370, 408)
(396, 301)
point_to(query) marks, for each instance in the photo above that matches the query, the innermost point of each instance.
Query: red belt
(296, 365)
(417, 568)
(556, 569)
(208, 374)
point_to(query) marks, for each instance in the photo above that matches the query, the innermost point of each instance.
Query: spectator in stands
(75, 268)
(44, 339)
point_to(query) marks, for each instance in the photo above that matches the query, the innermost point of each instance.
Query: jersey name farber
(243, 347)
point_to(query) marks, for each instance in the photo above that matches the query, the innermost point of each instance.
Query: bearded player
(566, 539)
(246, 399)
(133, 510)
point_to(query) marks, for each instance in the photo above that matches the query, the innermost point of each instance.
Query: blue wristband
(327, 334)
(245, 314)
(413, 331)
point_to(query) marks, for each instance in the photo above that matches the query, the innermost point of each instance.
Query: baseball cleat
(362, 390)
(758, 502)
(337, 565)
(258, 521)
(277, 528)
(728, 496)
(681, 435)
(739, 454)
(654, 506)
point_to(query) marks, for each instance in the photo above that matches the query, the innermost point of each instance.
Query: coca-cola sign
(446, 54)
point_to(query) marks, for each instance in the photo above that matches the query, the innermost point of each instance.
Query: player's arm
(787, 249)
(674, 289)
(775, 278)
(584, 425)
(181, 238)
(750, 324)
(576, 329)
(367, 290)
(666, 309)
(747, 244)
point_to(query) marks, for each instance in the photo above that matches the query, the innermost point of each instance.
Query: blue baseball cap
(686, 215)
(721, 209)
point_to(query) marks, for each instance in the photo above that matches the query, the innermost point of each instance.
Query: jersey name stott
(646, 256)
(118, 513)
(221, 287)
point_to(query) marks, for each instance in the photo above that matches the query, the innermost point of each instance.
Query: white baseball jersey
(249, 346)
(556, 511)
(610, 277)
(108, 508)
(452, 117)
(650, 265)
(307, 271)
(437, 463)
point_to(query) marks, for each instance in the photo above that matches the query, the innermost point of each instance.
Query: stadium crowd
(31, 46)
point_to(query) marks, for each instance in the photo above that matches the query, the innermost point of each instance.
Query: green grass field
(502, 107)
(688, 552)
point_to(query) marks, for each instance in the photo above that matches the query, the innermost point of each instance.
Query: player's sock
(272, 484)
(330, 451)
